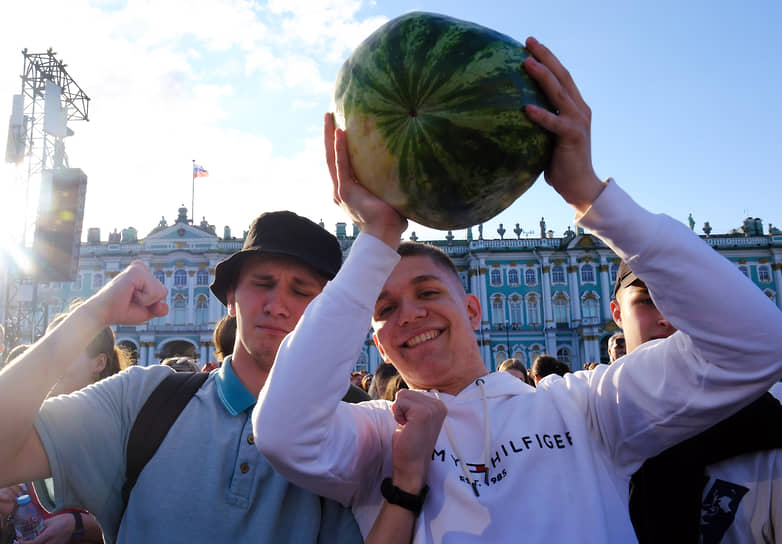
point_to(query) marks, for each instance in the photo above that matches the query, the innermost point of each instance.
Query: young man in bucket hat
(206, 482)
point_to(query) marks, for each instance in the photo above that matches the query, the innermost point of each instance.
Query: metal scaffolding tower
(49, 99)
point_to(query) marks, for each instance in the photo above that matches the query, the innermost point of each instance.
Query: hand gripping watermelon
(434, 112)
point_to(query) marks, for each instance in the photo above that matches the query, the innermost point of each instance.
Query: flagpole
(192, 198)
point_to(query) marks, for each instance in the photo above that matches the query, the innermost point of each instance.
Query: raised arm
(729, 348)
(133, 297)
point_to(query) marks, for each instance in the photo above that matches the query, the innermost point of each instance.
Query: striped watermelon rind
(434, 112)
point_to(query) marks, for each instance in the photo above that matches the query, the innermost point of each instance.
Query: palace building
(542, 294)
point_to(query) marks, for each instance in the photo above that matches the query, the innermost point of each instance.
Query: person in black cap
(234, 495)
(718, 486)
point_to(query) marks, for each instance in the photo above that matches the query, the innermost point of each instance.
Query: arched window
(764, 276)
(534, 353)
(587, 273)
(530, 278)
(161, 276)
(497, 310)
(515, 311)
(202, 310)
(97, 281)
(557, 274)
(202, 277)
(533, 313)
(500, 355)
(180, 278)
(590, 307)
(614, 272)
(513, 276)
(563, 354)
(495, 276)
(179, 310)
(561, 309)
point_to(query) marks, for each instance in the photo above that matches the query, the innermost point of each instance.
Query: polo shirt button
(251, 439)
(244, 467)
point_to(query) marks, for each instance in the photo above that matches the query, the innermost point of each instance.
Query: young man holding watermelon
(504, 447)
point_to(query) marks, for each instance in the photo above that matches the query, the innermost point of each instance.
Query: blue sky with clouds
(685, 101)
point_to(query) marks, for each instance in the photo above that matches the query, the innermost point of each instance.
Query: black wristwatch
(406, 500)
(78, 528)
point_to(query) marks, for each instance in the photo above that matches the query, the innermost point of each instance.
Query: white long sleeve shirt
(561, 455)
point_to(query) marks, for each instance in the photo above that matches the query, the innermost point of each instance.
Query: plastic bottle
(27, 520)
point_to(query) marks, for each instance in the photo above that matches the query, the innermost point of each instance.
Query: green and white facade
(538, 295)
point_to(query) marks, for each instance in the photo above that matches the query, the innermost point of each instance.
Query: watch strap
(406, 500)
(78, 527)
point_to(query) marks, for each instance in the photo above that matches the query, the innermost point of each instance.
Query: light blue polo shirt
(206, 483)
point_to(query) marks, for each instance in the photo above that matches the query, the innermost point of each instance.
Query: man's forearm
(25, 383)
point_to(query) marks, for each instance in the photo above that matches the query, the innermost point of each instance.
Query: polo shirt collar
(232, 393)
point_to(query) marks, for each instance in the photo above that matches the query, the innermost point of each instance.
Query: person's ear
(100, 364)
(616, 313)
(231, 302)
(473, 311)
(378, 346)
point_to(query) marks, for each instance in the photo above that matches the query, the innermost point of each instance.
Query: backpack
(153, 421)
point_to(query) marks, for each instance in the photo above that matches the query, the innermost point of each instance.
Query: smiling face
(423, 324)
(270, 295)
(640, 320)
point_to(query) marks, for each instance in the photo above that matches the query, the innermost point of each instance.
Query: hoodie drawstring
(486, 444)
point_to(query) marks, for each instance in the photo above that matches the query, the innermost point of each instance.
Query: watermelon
(433, 108)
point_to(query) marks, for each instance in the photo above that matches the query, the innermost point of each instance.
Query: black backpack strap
(153, 422)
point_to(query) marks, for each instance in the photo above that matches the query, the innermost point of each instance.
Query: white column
(605, 288)
(191, 303)
(575, 300)
(777, 268)
(204, 353)
(548, 313)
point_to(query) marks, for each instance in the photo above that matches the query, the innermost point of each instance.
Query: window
(744, 270)
(513, 276)
(557, 274)
(530, 278)
(97, 281)
(180, 278)
(614, 272)
(497, 310)
(590, 307)
(202, 277)
(532, 311)
(179, 310)
(500, 355)
(764, 276)
(561, 309)
(534, 353)
(495, 276)
(563, 354)
(161, 276)
(77, 282)
(515, 312)
(202, 310)
(587, 274)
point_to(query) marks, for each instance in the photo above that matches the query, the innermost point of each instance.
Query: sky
(684, 98)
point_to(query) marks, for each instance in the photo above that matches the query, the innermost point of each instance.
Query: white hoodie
(560, 457)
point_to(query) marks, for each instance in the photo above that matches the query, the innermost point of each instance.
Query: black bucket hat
(282, 233)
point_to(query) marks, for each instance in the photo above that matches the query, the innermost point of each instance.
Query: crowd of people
(676, 440)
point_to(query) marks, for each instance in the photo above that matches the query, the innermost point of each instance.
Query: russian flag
(199, 171)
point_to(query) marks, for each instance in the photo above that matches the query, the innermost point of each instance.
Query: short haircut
(546, 364)
(181, 364)
(512, 363)
(224, 337)
(440, 257)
